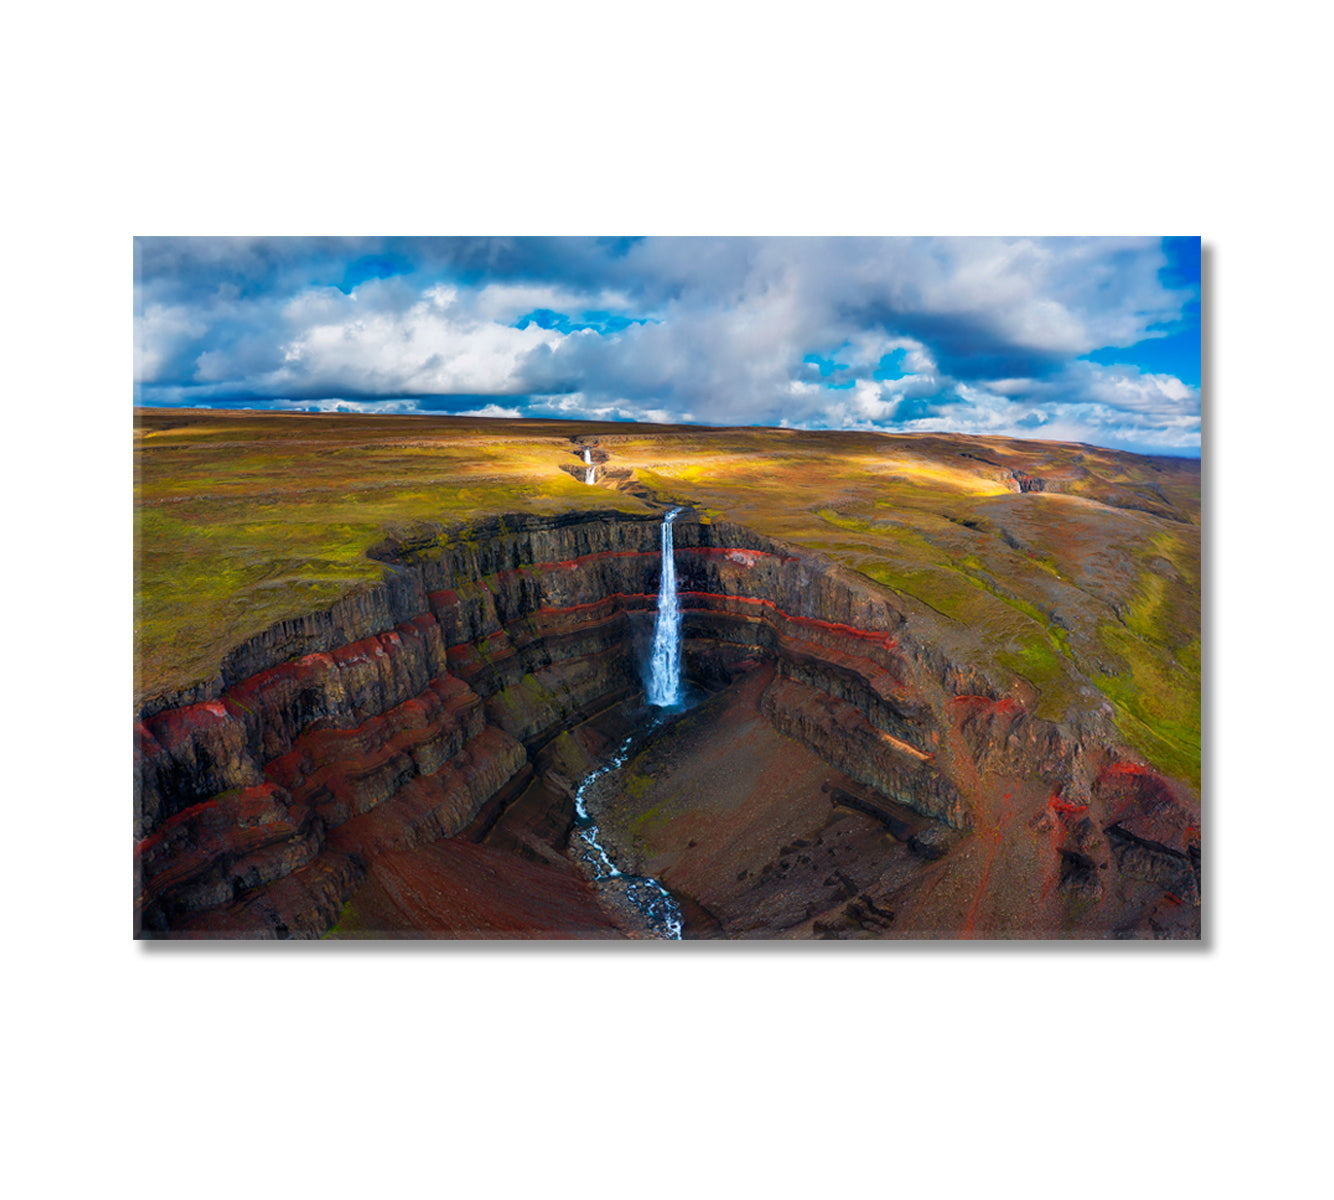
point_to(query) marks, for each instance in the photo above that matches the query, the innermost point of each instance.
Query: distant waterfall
(664, 682)
(592, 470)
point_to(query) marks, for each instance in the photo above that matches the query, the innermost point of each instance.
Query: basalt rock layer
(330, 749)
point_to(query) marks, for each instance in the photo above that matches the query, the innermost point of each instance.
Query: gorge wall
(389, 722)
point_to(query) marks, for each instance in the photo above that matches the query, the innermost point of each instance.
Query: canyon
(405, 761)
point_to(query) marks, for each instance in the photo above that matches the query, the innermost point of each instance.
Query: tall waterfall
(664, 682)
(588, 460)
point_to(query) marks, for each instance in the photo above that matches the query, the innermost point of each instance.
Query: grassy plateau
(1085, 587)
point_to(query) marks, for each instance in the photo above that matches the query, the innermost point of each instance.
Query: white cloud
(1127, 388)
(507, 302)
(491, 410)
(427, 348)
(1011, 387)
(335, 404)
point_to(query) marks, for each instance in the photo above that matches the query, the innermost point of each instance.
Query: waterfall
(588, 460)
(653, 901)
(664, 682)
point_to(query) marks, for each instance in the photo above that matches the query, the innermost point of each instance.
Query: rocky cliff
(357, 735)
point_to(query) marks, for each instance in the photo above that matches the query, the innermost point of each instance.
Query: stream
(648, 896)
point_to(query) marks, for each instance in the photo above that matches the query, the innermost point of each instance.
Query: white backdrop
(712, 1070)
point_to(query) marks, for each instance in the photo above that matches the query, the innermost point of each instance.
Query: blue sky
(1079, 339)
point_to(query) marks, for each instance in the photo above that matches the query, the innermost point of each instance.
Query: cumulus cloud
(431, 348)
(1128, 389)
(974, 334)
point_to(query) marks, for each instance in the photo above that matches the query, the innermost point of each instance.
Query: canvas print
(667, 588)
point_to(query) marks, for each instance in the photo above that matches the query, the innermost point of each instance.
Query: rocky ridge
(391, 721)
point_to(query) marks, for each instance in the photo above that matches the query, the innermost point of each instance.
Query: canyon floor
(948, 686)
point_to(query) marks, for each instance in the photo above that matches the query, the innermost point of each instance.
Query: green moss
(937, 589)
(351, 924)
(665, 490)
(898, 534)
(1155, 684)
(1157, 700)
(1144, 617)
(1033, 657)
(636, 785)
(647, 823)
(522, 699)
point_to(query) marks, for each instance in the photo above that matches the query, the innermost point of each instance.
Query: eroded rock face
(345, 740)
